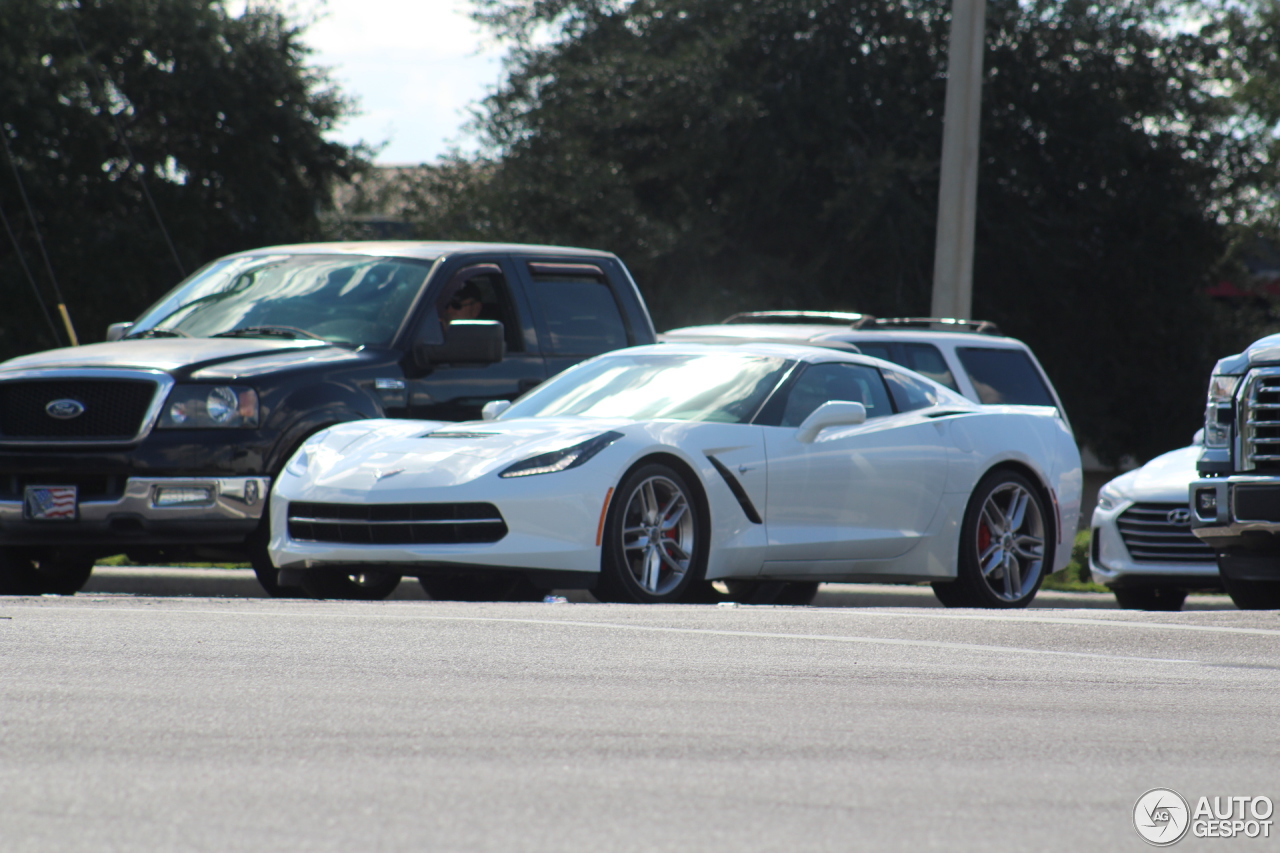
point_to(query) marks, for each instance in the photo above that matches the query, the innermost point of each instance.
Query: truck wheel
(1252, 579)
(350, 584)
(1005, 546)
(55, 571)
(1253, 595)
(267, 573)
(1158, 597)
(654, 540)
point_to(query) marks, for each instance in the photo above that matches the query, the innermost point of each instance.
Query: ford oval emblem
(65, 409)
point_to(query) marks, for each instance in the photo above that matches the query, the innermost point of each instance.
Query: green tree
(121, 114)
(784, 154)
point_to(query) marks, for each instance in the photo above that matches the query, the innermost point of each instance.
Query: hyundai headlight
(1109, 498)
(204, 406)
(561, 460)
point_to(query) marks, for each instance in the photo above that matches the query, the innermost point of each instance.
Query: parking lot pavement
(241, 583)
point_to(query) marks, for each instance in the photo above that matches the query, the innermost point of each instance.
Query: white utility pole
(958, 189)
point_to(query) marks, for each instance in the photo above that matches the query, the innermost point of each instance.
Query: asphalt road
(876, 722)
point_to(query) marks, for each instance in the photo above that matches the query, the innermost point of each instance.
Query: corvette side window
(821, 383)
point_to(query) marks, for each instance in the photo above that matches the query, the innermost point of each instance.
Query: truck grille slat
(1150, 536)
(1260, 433)
(396, 524)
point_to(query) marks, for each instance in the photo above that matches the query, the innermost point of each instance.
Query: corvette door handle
(742, 469)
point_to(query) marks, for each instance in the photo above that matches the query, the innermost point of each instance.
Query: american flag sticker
(51, 503)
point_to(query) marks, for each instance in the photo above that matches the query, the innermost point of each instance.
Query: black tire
(1006, 544)
(481, 586)
(793, 593)
(1253, 595)
(1159, 597)
(44, 571)
(640, 567)
(354, 583)
(266, 571)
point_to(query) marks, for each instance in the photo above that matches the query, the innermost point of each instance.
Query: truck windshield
(721, 388)
(353, 299)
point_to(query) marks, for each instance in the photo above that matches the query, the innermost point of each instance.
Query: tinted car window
(910, 393)
(922, 358)
(925, 359)
(581, 314)
(1004, 376)
(821, 383)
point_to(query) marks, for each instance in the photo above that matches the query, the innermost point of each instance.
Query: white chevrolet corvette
(679, 472)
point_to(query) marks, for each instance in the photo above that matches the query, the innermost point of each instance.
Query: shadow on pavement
(241, 583)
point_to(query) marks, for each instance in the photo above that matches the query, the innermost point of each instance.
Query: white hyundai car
(1142, 546)
(651, 474)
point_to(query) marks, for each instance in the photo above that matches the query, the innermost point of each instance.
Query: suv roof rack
(947, 324)
(837, 318)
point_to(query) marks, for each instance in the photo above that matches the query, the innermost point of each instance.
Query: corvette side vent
(396, 524)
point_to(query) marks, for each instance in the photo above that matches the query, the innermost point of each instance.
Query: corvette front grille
(396, 524)
(1161, 533)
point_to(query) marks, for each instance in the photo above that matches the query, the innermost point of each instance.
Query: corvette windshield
(721, 387)
(352, 299)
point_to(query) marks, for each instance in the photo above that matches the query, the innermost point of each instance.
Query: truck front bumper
(151, 510)
(1237, 514)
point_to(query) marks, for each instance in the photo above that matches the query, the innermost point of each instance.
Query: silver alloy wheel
(658, 535)
(1010, 541)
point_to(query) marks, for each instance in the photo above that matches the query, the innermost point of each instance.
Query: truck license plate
(51, 503)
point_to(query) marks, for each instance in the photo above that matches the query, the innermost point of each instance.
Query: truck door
(577, 309)
(479, 289)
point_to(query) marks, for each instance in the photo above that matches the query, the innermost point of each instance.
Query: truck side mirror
(116, 331)
(465, 342)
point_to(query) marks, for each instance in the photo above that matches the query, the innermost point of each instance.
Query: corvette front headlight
(203, 406)
(561, 460)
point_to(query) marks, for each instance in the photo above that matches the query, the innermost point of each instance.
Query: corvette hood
(1164, 479)
(403, 456)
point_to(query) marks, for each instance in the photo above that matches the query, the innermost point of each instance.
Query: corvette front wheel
(654, 541)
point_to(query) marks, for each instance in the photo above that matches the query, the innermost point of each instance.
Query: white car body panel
(1162, 481)
(892, 515)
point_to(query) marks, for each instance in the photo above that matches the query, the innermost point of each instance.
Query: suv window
(910, 393)
(821, 383)
(922, 358)
(581, 315)
(1004, 376)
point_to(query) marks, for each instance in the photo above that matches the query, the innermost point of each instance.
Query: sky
(414, 65)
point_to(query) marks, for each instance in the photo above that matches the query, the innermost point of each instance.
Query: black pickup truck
(162, 443)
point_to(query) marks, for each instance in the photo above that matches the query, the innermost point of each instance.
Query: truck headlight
(204, 406)
(1219, 415)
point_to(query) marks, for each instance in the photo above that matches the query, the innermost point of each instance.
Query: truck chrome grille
(1161, 533)
(110, 409)
(1260, 422)
(396, 524)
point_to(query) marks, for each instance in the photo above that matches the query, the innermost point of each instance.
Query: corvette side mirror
(493, 408)
(829, 414)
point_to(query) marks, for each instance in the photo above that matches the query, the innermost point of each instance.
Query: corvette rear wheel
(43, 571)
(350, 584)
(1005, 546)
(654, 546)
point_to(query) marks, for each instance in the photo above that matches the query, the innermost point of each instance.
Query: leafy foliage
(104, 102)
(784, 154)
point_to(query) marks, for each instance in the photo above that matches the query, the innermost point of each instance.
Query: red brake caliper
(984, 538)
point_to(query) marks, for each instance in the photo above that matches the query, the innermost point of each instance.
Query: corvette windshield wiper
(158, 333)
(268, 332)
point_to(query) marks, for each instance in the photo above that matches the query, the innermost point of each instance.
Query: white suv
(968, 356)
